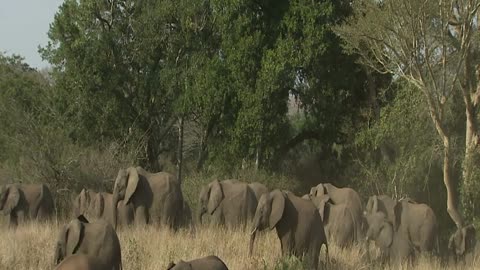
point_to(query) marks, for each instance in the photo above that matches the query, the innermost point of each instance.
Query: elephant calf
(24, 202)
(297, 222)
(228, 202)
(98, 205)
(97, 240)
(205, 263)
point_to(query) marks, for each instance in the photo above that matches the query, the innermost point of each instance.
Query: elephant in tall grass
(258, 189)
(98, 205)
(22, 202)
(347, 196)
(98, 240)
(464, 246)
(229, 202)
(156, 198)
(297, 222)
(414, 230)
(205, 263)
(339, 222)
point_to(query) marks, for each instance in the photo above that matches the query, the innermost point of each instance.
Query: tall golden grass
(31, 246)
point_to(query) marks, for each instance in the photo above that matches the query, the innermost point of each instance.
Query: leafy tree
(430, 45)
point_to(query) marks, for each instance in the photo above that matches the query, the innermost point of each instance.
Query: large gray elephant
(394, 245)
(97, 240)
(155, 197)
(297, 222)
(22, 202)
(79, 262)
(347, 196)
(418, 222)
(381, 203)
(464, 246)
(98, 205)
(205, 263)
(229, 202)
(338, 220)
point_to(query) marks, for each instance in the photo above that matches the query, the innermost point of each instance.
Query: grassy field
(32, 246)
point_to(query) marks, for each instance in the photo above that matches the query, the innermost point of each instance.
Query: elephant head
(322, 203)
(380, 230)
(125, 186)
(318, 190)
(9, 198)
(210, 198)
(82, 203)
(97, 205)
(69, 239)
(269, 212)
(462, 241)
(372, 205)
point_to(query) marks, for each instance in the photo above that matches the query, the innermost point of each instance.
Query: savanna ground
(32, 246)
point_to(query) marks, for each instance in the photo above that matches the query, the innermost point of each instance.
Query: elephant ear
(324, 208)
(73, 236)
(132, 183)
(215, 196)
(13, 198)
(385, 237)
(374, 203)
(397, 214)
(98, 205)
(313, 192)
(278, 206)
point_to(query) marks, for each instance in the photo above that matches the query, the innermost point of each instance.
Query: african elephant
(205, 263)
(346, 196)
(97, 240)
(394, 245)
(297, 222)
(79, 262)
(339, 221)
(381, 203)
(418, 222)
(155, 197)
(229, 202)
(98, 205)
(26, 202)
(464, 246)
(258, 188)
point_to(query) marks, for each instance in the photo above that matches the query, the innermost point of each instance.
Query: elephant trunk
(114, 208)
(252, 241)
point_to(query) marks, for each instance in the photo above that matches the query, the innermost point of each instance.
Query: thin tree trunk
(180, 150)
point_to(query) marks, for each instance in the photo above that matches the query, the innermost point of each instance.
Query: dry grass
(31, 247)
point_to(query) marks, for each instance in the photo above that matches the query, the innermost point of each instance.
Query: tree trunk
(180, 150)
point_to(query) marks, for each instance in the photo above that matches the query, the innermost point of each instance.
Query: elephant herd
(327, 214)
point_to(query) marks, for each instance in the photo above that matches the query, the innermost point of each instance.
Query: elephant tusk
(254, 230)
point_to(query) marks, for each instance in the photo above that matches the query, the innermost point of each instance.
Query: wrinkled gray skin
(394, 246)
(228, 202)
(381, 203)
(98, 205)
(22, 202)
(463, 245)
(79, 262)
(259, 189)
(297, 222)
(418, 222)
(156, 198)
(346, 196)
(98, 240)
(205, 263)
(338, 220)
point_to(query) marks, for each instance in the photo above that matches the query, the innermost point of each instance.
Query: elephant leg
(21, 217)
(141, 216)
(13, 222)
